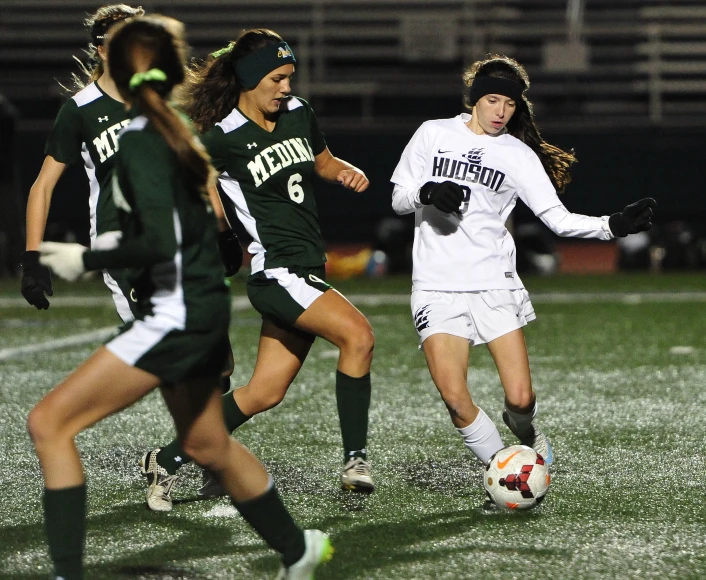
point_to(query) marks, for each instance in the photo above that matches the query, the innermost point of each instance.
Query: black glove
(36, 281)
(636, 217)
(445, 196)
(231, 251)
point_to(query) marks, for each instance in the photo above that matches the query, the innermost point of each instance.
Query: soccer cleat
(210, 487)
(318, 551)
(159, 483)
(356, 476)
(540, 443)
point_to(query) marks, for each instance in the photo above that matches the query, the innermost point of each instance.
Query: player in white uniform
(462, 177)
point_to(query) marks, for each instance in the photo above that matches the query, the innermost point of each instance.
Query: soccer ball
(516, 478)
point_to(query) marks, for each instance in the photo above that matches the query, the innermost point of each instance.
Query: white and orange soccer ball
(516, 478)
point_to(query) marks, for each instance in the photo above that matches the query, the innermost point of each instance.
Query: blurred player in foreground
(167, 241)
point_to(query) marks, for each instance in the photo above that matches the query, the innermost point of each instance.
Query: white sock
(482, 437)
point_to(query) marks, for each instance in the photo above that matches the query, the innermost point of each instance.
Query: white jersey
(472, 250)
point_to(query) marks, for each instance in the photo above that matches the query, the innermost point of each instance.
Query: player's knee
(41, 425)
(360, 342)
(520, 399)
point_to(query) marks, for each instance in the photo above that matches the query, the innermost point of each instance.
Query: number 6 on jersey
(296, 193)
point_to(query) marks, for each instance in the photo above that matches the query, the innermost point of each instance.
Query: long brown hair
(99, 23)
(556, 162)
(158, 40)
(212, 90)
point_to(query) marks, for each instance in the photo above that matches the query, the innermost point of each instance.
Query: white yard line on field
(73, 340)
(240, 303)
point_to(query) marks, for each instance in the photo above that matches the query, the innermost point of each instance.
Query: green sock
(353, 402)
(232, 414)
(65, 523)
(171, 457)
(268, 516)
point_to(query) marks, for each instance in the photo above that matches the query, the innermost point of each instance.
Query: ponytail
(161, 40)
(191, 154)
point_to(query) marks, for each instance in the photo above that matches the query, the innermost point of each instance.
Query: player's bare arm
(39, 200)
(335, 170)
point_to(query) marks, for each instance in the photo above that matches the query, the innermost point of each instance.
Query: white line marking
(74, 340)
(240, 303)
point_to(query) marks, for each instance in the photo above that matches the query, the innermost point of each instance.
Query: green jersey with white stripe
(268, 177)
(86, 131)
(169, 234)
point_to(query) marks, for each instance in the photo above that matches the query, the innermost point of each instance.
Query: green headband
(252, 68)
(154, 74)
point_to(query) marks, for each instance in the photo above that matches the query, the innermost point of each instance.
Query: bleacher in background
(623, 82)
(381, 63)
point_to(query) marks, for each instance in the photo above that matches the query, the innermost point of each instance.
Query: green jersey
(268, 176)
(169, 232)
(86, 131)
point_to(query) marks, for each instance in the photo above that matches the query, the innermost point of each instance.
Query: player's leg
(445, 329)
(281, 353)
(335, 319)
(98, 388)
(196, 408)
(509, 352)
(447, 359)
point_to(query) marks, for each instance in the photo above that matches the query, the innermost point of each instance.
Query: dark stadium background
(623, 83)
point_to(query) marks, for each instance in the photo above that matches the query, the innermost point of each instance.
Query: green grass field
(619, 364)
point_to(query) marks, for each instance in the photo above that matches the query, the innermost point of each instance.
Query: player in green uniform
(167, 241)
(86, 132)
(267, 147)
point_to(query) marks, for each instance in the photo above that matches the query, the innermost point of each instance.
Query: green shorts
(164, 346)
(123, 294)
(283, 294)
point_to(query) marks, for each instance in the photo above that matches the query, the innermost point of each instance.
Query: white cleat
(356, 476)
(318, 550)
(159, 483)
(541, 445)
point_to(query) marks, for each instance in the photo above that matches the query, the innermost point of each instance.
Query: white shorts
(479, 317)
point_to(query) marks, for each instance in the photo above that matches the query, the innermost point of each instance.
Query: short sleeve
(318, 141)
(213, 141)
(410, 169)
(64, 142)
(537, 190)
